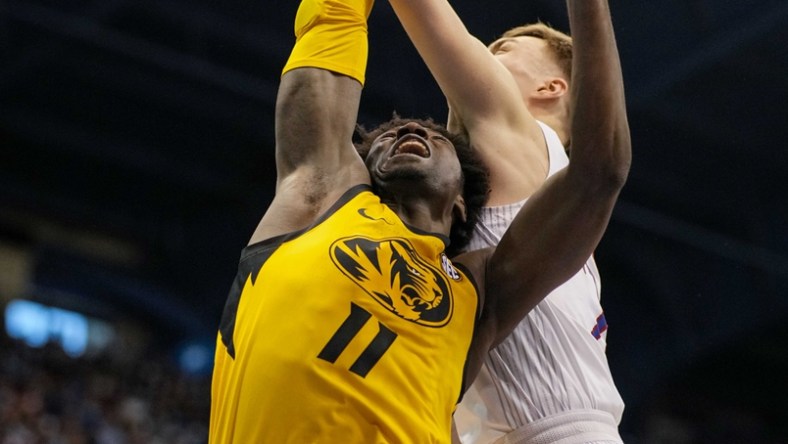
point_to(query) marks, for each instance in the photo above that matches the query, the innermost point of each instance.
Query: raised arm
(316, 111)
(559, 227)
(484, 97)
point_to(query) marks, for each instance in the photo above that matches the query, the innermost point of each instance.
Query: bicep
(316, 113)
(315, 158)
(474, 82)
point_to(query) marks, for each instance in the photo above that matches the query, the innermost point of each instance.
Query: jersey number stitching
(347, 331)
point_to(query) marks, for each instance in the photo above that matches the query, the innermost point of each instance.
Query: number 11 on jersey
(347, 331)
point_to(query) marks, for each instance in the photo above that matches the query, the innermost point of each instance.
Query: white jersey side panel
(554, 361)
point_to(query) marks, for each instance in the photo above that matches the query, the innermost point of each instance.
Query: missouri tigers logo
(394, 275)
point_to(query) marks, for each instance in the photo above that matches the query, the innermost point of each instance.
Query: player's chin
(404, 173)
(399, 180)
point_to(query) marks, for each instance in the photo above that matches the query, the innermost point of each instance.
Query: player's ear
(459, 211)
(552, 88)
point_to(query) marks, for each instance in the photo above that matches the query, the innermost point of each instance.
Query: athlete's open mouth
(411, 144)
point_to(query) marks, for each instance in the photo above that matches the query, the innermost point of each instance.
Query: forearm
(599, 128)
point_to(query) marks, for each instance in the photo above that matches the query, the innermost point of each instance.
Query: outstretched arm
(316, 111)
(559, 227)
(484, 98)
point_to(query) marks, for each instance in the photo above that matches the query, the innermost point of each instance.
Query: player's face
(415, 153)
(525, 57)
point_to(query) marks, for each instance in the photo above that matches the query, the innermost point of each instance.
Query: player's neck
(556, 123)
(423, 214)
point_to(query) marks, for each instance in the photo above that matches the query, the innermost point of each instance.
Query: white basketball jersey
(553, 365)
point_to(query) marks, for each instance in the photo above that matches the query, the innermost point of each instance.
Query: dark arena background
(136, 158)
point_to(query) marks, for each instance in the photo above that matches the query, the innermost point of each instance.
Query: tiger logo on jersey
(393, 273)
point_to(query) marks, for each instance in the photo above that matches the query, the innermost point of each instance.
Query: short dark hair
(475, 175)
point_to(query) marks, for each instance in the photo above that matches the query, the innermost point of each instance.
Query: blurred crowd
(47, 397)
(127, 395)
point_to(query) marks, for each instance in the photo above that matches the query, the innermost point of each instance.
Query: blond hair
(560, 44)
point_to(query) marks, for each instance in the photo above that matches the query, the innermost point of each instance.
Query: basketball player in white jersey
(548, 382)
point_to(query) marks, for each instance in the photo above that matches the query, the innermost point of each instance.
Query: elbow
(614, 172)
(613, 178)
(622, 159)
(608, 176)
(601, 154)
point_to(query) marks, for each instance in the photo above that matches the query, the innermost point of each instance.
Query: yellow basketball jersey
(355, 330)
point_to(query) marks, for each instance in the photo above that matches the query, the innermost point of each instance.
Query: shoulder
(516, 154)
(291, 211)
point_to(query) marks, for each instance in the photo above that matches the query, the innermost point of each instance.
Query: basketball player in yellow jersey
(348, 322)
